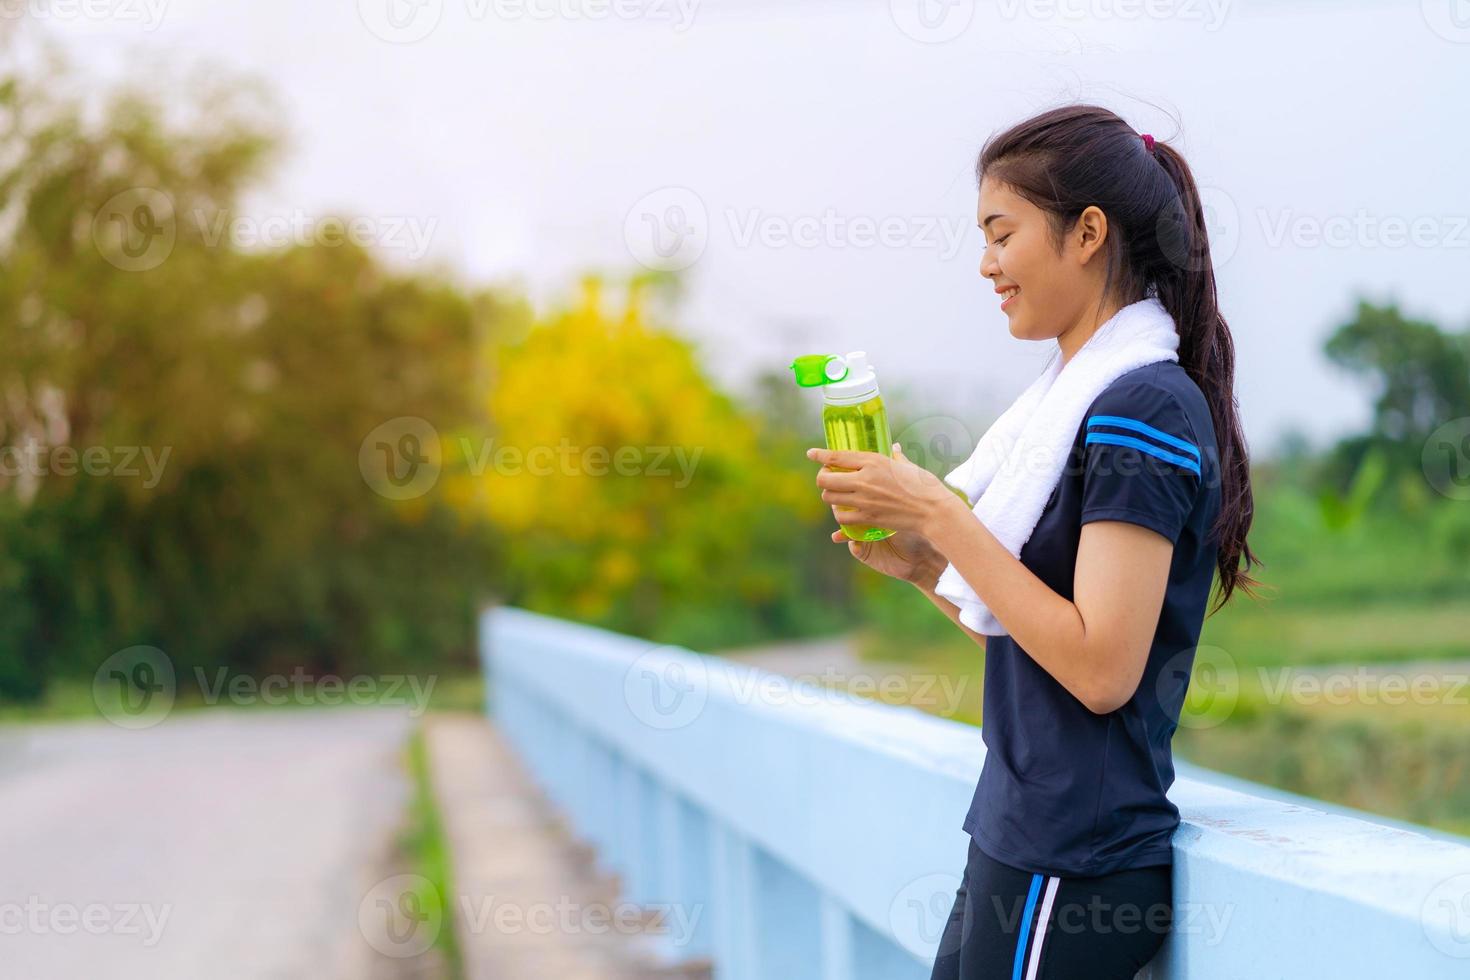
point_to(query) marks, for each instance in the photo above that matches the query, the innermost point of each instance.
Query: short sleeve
(1141, 460)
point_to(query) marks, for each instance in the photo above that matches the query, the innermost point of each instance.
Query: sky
(808, 166)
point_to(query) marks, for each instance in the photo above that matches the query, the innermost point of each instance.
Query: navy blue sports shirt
(1064, 791)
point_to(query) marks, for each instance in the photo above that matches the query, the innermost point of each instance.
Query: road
(222, 844)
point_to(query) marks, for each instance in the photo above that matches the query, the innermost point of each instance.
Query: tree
(223, 398)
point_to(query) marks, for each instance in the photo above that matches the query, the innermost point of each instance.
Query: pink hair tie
(1148, 141)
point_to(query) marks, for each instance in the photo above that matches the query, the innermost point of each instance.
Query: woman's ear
(1090, 232)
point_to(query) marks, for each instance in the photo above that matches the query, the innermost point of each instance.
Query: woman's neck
(1071, 340)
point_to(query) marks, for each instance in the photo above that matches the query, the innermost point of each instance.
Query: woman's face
(1054, 288)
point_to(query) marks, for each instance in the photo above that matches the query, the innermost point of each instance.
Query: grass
(427, 851)
(1270, 634)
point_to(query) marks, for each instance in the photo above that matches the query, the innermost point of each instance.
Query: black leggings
(1009, 924)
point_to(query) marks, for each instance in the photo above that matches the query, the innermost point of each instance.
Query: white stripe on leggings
(1051, 893)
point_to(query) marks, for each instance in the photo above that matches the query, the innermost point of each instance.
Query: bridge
(775, 828)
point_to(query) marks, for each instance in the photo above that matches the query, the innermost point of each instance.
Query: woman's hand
(881, 491)
(905, 555)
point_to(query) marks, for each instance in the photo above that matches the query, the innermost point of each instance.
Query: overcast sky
(818, 156)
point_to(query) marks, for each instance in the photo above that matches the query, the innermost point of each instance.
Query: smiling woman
(1085, 573)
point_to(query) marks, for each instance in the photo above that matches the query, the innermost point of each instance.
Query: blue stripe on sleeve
(1110, 439)
(1117, 421)
(1025, 927)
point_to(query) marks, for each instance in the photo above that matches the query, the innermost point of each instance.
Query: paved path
(528, 905)
(217, 844)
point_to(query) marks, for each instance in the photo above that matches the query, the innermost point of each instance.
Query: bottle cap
(846, 379)
(818, 369)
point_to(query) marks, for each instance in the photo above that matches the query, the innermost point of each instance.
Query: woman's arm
(926, 585)
(1096, 644)
(953, 612)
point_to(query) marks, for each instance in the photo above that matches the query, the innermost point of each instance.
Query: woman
(1069, 867)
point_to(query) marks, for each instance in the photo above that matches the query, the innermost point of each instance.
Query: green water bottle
(853, 415)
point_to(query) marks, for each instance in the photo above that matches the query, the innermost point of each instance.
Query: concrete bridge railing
(787, 831)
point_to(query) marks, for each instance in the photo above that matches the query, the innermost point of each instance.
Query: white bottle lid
(860, 384)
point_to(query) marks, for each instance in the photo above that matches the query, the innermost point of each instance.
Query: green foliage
(1408, 769)
(250, 381)
(1340, 511)
(1421, 373)
(709, 534)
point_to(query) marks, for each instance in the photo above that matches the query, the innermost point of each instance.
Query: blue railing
(788, 831)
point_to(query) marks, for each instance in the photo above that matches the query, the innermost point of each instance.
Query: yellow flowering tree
(626, 490)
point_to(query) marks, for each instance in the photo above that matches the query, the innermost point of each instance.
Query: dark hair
(1068, 158)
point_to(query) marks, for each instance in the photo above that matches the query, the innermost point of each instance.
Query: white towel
(1017, 463)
